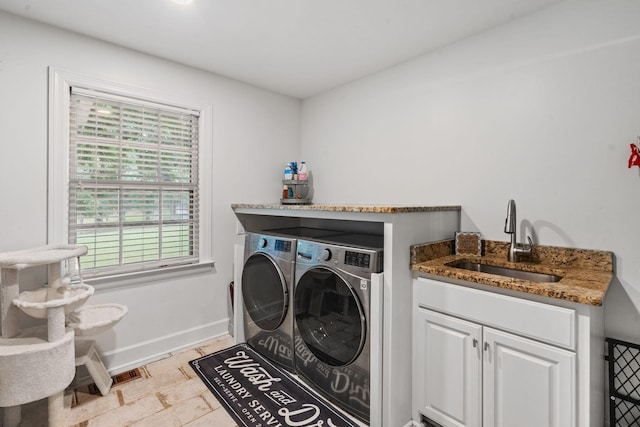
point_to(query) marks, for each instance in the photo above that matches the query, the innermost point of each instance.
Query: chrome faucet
(510, 226)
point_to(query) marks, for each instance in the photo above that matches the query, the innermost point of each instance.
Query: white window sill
(144, 277)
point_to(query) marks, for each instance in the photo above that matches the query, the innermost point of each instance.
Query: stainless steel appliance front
(332, 307)
(267, 283)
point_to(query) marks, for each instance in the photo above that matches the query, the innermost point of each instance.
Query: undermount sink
(504, 271)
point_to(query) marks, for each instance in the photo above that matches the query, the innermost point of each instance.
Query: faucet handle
(521, 249)
(527, 249)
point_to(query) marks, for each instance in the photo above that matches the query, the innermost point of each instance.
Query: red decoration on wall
(634, 159)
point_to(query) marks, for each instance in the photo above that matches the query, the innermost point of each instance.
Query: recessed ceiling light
(182, 1)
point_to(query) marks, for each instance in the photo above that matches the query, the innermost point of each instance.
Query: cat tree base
(33, 368)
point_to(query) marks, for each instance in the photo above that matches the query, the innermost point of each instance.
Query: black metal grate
(624, 383)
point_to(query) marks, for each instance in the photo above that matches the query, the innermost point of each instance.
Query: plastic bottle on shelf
(285, 192)
(288, 173)
(303, 173)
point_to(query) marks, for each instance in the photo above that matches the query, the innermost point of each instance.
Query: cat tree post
(12, 415)
(10, 290)
(55, 332)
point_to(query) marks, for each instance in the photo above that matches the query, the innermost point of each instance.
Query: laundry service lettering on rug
(260, 384)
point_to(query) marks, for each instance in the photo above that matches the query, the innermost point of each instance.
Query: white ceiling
(295, 47)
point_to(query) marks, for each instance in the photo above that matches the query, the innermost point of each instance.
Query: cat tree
(39, 362)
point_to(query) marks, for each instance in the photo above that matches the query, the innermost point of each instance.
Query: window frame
(60, 83)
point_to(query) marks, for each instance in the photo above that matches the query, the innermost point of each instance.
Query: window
(132, 172)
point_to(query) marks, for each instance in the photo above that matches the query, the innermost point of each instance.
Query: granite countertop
(346, 208)
(586, 274)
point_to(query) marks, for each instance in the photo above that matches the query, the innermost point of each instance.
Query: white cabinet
(482, 359)
(469, 375)
(447, 370)
(526, 383)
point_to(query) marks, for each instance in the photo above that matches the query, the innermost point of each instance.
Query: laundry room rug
(256, 393)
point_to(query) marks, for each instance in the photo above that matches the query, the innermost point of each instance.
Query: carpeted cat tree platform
(40, 362)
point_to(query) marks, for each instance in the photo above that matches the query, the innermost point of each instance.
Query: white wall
(254, 133)
(541, 110)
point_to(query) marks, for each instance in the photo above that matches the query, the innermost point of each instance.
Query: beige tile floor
(168, 394)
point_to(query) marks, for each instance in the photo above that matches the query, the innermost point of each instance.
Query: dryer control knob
(262, 243)
(326, 255)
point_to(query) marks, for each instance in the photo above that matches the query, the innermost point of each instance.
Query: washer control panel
(282, 245)
(356, 259)
(279, 247)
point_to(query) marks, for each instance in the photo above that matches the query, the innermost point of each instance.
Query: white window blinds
(133, 183)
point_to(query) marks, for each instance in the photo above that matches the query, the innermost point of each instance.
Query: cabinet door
(447, 382)
(527, 383)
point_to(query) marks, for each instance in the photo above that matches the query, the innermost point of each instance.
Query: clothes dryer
(332, 301)
(267, 276)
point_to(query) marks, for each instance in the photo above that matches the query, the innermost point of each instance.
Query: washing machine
(332, 300)
(267, 290)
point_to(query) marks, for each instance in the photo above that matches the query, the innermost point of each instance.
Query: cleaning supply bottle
(303, 173)
(288, 173)
(285, 192)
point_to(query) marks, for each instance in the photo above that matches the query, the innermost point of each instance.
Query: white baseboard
(134, 356)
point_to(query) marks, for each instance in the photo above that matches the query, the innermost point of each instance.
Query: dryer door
(329, 316)
(264, 291)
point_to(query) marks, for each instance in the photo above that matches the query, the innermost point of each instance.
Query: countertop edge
(347, 208)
